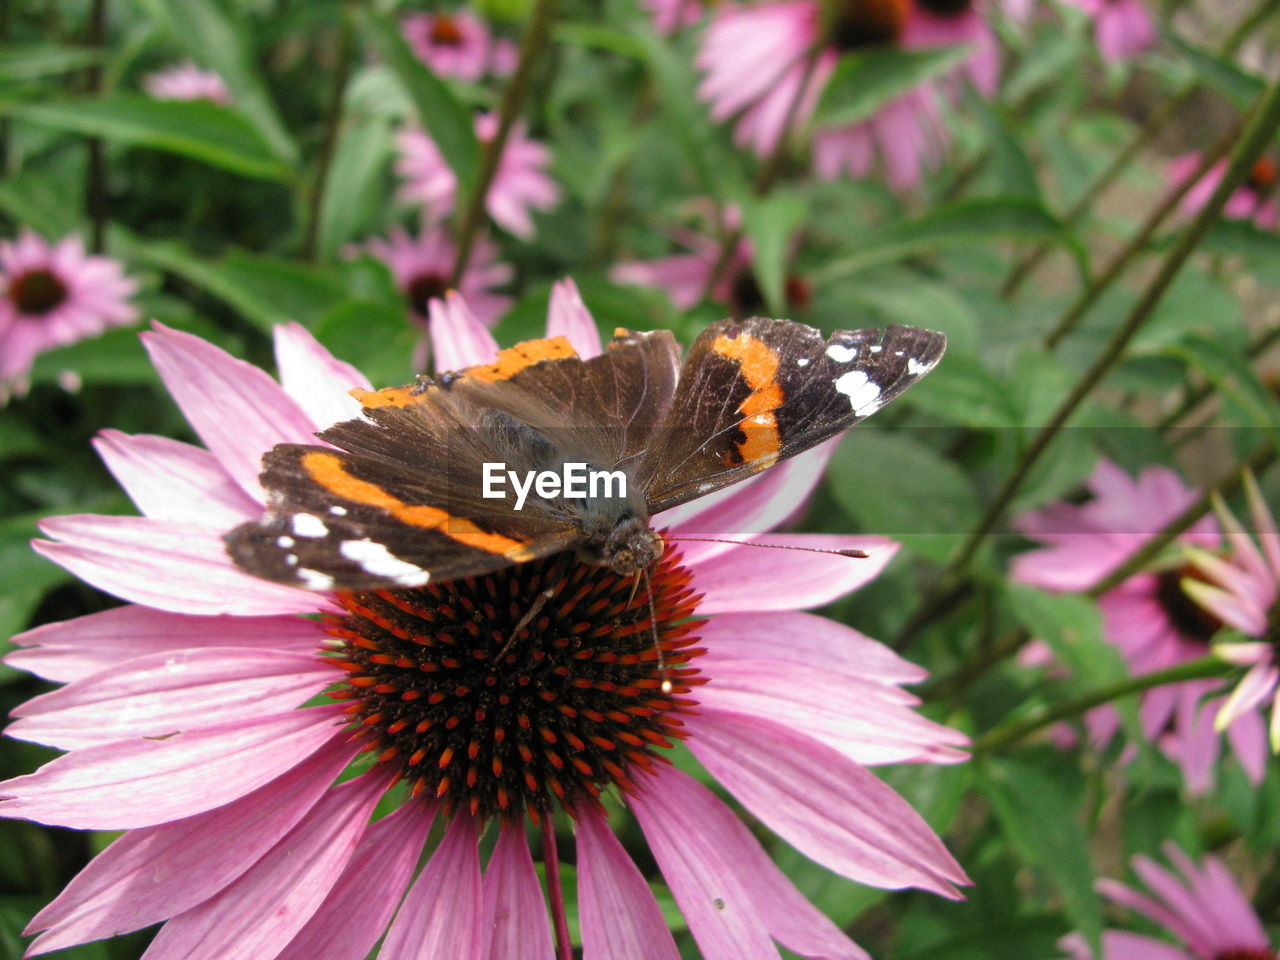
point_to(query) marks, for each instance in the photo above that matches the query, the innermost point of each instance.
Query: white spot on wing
(802, 362)
(284, 543)
(306, 525)
(291, 559)
(875, 348)
(377, 560)
(915, 368)
(314, 579)
(864, 396)
(840, 353)
(338, 511)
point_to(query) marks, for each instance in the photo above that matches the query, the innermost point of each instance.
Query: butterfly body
(398, 497)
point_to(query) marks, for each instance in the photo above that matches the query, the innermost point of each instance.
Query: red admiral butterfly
(400, 496)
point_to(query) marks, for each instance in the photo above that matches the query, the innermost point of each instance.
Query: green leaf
(959, 223)
(962, 391)
(1220, 73)
(1233, 377)
(32, 61)
(896, 487)
(203, 131)
(598, 37)
(1072, 626)
(439, 111)
(216, 40)
(863, 82)
(1242, 238)
(1040, 819)
(353, 195)
(770, 223)
(1013, 169)
(116, 356)
(38, 198)
(908, 296)
(374, 336)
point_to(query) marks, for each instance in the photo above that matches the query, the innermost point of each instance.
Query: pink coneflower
(183, 714)
(422, 266)
(458, 45)
(520, 183)
(1149, 617)
(54, 295)
(1204, 910)
(1121, 28)
(186, 81)
(1255, 199)
(1241, 591)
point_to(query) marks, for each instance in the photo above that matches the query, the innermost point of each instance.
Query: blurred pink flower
(520, 183)
(1121, 28)
(458, 45)
(1149, 617)
(1242, 592)
(186, 81)
(1203, 909)
(755, 60)
(672, 15)
(422, 266)
(184, 715)
(1254, 200)
(54, 295)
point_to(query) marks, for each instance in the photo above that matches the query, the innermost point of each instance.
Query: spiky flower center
(946, 8)
(445, 31)
(37, 292)
(868, 23)
(424, 288)
(498, 712)
(1190, 619)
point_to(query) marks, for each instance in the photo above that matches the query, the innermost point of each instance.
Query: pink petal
(75, 649)
(170, 566)
(1122, 945)
(1126, 896)
(156, 695)
(824, 805)
(351, 920)
(619, 916)
(138, 783)
(515, 915)
(169, 480)
(316, 380)
(458, 339)
(173, 867)
(236, 409)
(1195, 925)
(441, 916)
(1265, 524)
(750, 578)
(265, 907)
(734, 897)
(568, 317)
(1256, 685)
(1248, 736)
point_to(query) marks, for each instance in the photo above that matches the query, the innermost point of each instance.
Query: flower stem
(96, 188)
(1153, 126)
(532, 45)
(555, 893)
(1263, 123)
(1193, 398)
(333, 121)
(1011, 733)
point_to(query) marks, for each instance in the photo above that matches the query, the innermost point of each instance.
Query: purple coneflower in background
(520, 183)
(1121, 28)
(1149, 617)
(458, 45)
(186, 81)
(1204, 909)
(237, 835)
(1255, 199)
(54, 295)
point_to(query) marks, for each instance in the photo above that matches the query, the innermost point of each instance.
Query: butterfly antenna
(839, 552)
(653, 626)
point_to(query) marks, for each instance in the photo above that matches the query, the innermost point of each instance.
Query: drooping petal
(734, 897)
(236, 409)
(1256, 685)
(619, 915)
(441, 916)
(748, 579)
(171, 566)
(361, 904)
(159, 694)
(79, 648)
(170, 868)
(258, 914)
(515, 915)
(138, 783)
(314, 378)
(458, 339)
(824, 805)
(170, 480)
(568, 317)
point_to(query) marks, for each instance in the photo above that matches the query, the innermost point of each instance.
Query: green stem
(1153, 126)
(532, 45)
(332, 124)
(96, 188)
(1011, 733)
(1264, 121)
(1260, 344)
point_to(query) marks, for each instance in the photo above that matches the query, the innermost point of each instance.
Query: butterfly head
(626, 546)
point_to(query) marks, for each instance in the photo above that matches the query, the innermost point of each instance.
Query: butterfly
(543, 452)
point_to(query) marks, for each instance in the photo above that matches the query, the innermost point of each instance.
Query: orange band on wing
(758, 364)
(520, 357)
(390, 396)
(327, 470)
